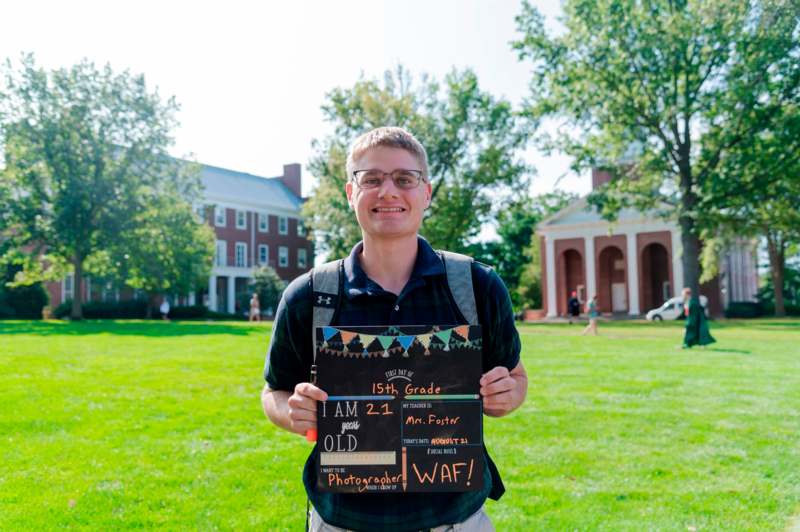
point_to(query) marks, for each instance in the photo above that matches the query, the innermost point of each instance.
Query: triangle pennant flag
(367, 339)
(463, 331)
(327, 332)
(405, 341)
(386, 341)
(348, 336)
(425, 340)
(444, 336)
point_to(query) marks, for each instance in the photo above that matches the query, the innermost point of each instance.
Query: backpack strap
(325, 282)
(459, 280)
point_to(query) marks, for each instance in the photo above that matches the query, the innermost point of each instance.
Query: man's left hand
(502, 390)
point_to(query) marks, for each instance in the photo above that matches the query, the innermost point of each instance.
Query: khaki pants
(477, 522)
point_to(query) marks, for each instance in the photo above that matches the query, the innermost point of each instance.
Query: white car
(673, 309)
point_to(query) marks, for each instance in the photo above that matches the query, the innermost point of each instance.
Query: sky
(251, 76)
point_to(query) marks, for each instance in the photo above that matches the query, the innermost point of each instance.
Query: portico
(630, 266)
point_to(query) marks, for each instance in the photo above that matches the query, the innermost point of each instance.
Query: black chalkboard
(403, 411)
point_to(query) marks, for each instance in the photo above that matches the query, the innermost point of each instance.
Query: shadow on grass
(723, 350)
(129, 328)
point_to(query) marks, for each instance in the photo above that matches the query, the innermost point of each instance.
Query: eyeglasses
(372, 178)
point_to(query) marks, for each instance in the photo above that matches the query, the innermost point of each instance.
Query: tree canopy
(658, 92)
(473, 141)
(84, 158)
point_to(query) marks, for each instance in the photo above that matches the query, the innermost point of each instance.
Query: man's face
(388, 211)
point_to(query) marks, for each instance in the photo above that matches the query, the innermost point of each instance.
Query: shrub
(744, 309)
(25, 302)
(131, 309)
(791, 310)
(188, 312)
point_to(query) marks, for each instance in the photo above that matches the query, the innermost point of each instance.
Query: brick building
(257, 221)
(632, 265)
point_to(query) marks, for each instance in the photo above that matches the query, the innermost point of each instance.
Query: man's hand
(296, 412)
(303, 407)
(502, 390)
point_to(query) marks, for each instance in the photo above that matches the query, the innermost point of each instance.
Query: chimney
(291, 177)
(599, 178)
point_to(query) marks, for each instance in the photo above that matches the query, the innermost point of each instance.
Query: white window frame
(301, 228)
(283, 225)
(302, 257)
(221, 257)
(283, 256)
(263, 222)
(263, 260)
(243, 216)
(68, 292)
(240, 255)
(219, 216)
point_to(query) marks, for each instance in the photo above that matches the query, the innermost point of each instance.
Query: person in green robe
(696, 323)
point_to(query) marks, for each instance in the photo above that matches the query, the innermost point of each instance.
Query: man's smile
(388, 209)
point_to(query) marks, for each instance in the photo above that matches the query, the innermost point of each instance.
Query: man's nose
(387, 187)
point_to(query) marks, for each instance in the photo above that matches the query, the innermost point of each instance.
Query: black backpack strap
(459, 280)
(325, 283)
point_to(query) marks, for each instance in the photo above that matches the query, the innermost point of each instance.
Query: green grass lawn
(109, 425)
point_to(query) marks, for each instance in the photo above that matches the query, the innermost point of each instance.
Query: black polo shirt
(425, 300)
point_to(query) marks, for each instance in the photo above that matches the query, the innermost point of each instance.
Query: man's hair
(387, 137)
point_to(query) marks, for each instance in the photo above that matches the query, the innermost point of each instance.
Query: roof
(230, 185)
(580, 213)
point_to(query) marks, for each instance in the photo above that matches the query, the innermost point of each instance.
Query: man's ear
(429, 193)
(348, 190)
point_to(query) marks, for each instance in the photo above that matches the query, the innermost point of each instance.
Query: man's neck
(389, 262)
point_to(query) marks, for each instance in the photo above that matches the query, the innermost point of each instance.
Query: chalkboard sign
(403, 411)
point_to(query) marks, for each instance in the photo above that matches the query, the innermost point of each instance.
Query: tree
(473, 141)
(516, 225)
(169, 250)
(659, 92)
(84, 154)
(790, 288)
(269, 287)
(756, 193)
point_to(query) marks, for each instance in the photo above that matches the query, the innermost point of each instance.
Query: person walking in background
(696, 324)
(573, 306)
(255, 308)
(164, 309)
(591, 310)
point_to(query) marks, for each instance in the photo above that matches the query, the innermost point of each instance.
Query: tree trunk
(689, 240)
(691, 255)
(76, 313)
(776, 250)
(151, 301)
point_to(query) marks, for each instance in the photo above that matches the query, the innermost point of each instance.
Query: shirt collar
(356, 282)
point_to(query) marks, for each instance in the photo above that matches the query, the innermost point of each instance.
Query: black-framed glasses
(373, 178)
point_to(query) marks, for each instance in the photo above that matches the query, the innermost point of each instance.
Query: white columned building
(212, 292)
(550, 280)
(633, 274)
(652, 271)
(591, 273)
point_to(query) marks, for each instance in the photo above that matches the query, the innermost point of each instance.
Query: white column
(231, 294)
(550, 261)
(633, 275)
(212, 292)
(591, 277)
(191, 298)
(677, 263)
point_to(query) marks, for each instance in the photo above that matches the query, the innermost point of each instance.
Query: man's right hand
(303, 407)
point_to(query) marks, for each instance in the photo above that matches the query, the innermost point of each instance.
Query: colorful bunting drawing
(405, 342)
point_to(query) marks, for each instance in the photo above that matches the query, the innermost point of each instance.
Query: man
(573, 306)
(392, 277)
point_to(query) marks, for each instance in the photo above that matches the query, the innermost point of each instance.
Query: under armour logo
(323, 300)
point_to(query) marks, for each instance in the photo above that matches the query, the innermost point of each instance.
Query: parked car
(673, 309)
